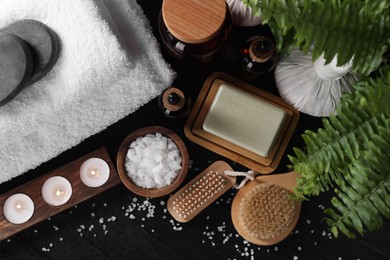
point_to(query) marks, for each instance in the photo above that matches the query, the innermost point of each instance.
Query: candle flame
(20, 206)
(59, 192)
(94, 172)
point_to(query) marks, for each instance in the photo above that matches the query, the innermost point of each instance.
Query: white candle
(18, 208)
(56, 191)
(94, 172)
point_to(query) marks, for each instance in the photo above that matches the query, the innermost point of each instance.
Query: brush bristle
(266, 211)
(203, 190)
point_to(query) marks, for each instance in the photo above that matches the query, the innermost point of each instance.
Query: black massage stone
(16, 65)
(43, 42)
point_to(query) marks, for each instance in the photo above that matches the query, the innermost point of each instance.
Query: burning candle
(18, 208)
(56, 191)
(94, 172)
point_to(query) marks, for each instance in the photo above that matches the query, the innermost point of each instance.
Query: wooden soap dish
(42, 210)
(195, 131)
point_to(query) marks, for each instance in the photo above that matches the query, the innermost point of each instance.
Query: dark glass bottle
(258, 57)
(174, 103)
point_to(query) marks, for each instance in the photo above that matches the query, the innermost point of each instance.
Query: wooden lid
(261, 49)
(194, 21)
(179, 102)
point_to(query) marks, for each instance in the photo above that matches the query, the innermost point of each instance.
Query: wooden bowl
(121, 157)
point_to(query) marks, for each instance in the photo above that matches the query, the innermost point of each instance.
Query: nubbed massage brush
(200, 192)
(264, 211)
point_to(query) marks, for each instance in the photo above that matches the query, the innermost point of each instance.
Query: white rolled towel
(108, 67)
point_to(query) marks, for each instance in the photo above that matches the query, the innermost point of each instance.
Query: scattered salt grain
(55, 228)
(61, 239)
(221, 228)
(295, 257)
(112, 218)
(153, 161)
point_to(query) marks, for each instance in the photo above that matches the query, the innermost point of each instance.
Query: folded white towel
(97, 80)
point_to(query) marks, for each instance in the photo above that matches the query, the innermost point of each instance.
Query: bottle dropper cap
(261, 49)
(173, 99)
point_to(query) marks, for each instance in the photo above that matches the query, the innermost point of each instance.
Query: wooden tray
(194, 131)
(80, 192)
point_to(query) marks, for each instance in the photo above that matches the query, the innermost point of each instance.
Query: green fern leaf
(352, 155)
(349, 28)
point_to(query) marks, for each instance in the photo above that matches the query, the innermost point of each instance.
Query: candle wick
(59, 193)
(94, 172)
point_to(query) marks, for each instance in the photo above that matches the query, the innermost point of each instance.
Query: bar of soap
(244, 120)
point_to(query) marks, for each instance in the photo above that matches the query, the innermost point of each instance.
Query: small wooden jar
(194, 29)
(174, 103)
(258, 57)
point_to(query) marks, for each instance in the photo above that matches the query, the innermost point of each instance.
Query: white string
(249, 175)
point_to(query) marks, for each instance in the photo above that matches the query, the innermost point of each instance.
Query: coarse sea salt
(153, 161)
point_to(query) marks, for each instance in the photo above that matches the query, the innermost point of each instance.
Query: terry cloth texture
(109, 65)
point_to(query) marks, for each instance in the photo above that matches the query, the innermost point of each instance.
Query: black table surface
(118, 224)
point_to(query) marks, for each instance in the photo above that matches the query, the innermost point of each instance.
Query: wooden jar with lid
(194, 29)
